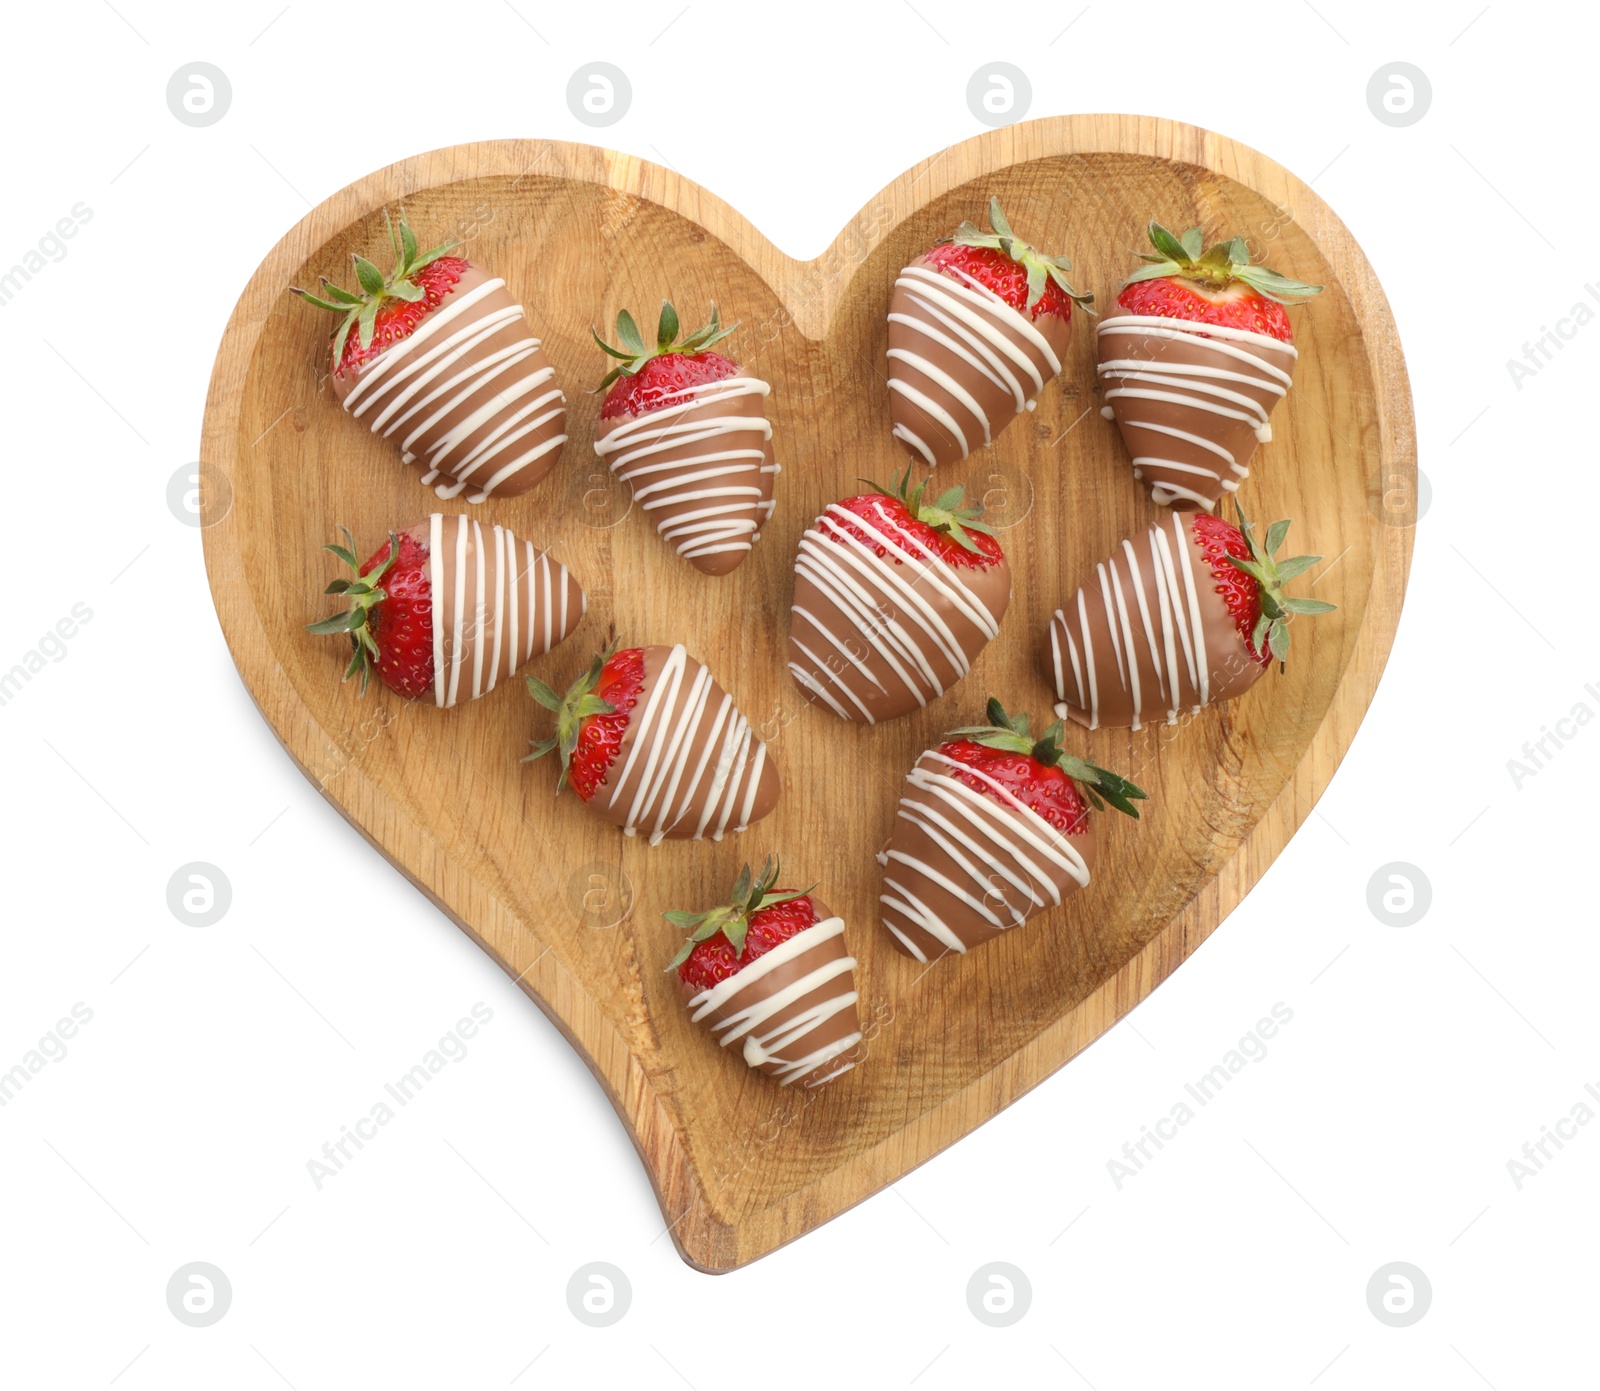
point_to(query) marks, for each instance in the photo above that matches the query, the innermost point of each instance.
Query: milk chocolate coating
(702, 469)
(964, 865)
(809, 1038)
(962, 362)
(470, 397)
(496, 603)
(872, 637)
(689, 765)
(1190, 400)
(1149, 636)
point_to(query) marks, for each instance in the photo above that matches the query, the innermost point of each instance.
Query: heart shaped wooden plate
(570, 907)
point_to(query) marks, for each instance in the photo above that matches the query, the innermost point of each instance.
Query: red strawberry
(729, 937)
(1222, 543)
(651, 742)
(950, 531)
(429, 574)
(994, 825)
(592, 719)
(390, 618)
(769, 968)
(688, 436)
(1233, 305)
(389, 308)
(1038, 773)
(1251, 581)
(1006, 273)
(977, 326)
(1186, 615)
(1218, 286)
(894, 599)
(647, 378)
(469, 392)
(1192, 361)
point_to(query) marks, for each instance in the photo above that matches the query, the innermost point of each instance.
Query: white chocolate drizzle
(724, 780)
(991, 841)
(1209, 388)
(702, 503)
(887, 603)
(770, 1042)
(975, 324)
(419, 381)
(1176, 625)
(495, 605)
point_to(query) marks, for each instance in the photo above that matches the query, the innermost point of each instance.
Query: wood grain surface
(571, 908)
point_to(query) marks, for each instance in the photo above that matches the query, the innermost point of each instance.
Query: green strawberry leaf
(1168, 245)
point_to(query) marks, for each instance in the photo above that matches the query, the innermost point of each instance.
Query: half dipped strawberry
(649, 740)
(1188, 614)
(436, 355)
(768, 970)
(994, 826)
(686, 429)
(449, 606)
(1192, 359)
(895, 596)
(977, 326)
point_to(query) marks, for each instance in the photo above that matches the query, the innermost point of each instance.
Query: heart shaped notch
(558, 898)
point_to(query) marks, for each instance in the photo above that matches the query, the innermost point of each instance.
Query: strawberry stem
(1040, 268)
(944, 514)
(1010, 734)
(634, 352)
(1217, 266)
(1270, 575)
(364, 595)
(360, 312)
(570, 710)
(751, 893)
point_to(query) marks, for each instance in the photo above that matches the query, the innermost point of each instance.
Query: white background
(1377, 1128)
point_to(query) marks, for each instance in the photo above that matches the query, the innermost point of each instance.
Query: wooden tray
(741, 1166)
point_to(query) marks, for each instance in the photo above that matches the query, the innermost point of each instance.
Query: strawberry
(1193, 359)
(977, 326)
(994, 826)
(650, 741)
(1251, 581)
(1189, 614)
(468, 392)
(412, 583)
(390, 618)
(727, 938)
(592, 718)
(1039, 773)
(389, 308)
(1028, 280)
(894, 599)
(952, 532)
(768, 967)
(685, 429)
(647, 378)
(1218, 286)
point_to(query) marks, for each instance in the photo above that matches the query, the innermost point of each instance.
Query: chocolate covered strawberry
(977, 326)
(1193, 357)
(994, 826)
(651, 742)
(895, 596)
(437, 356)
(685, 428)
(768, 970)
(1190, 613)
(449, 606)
